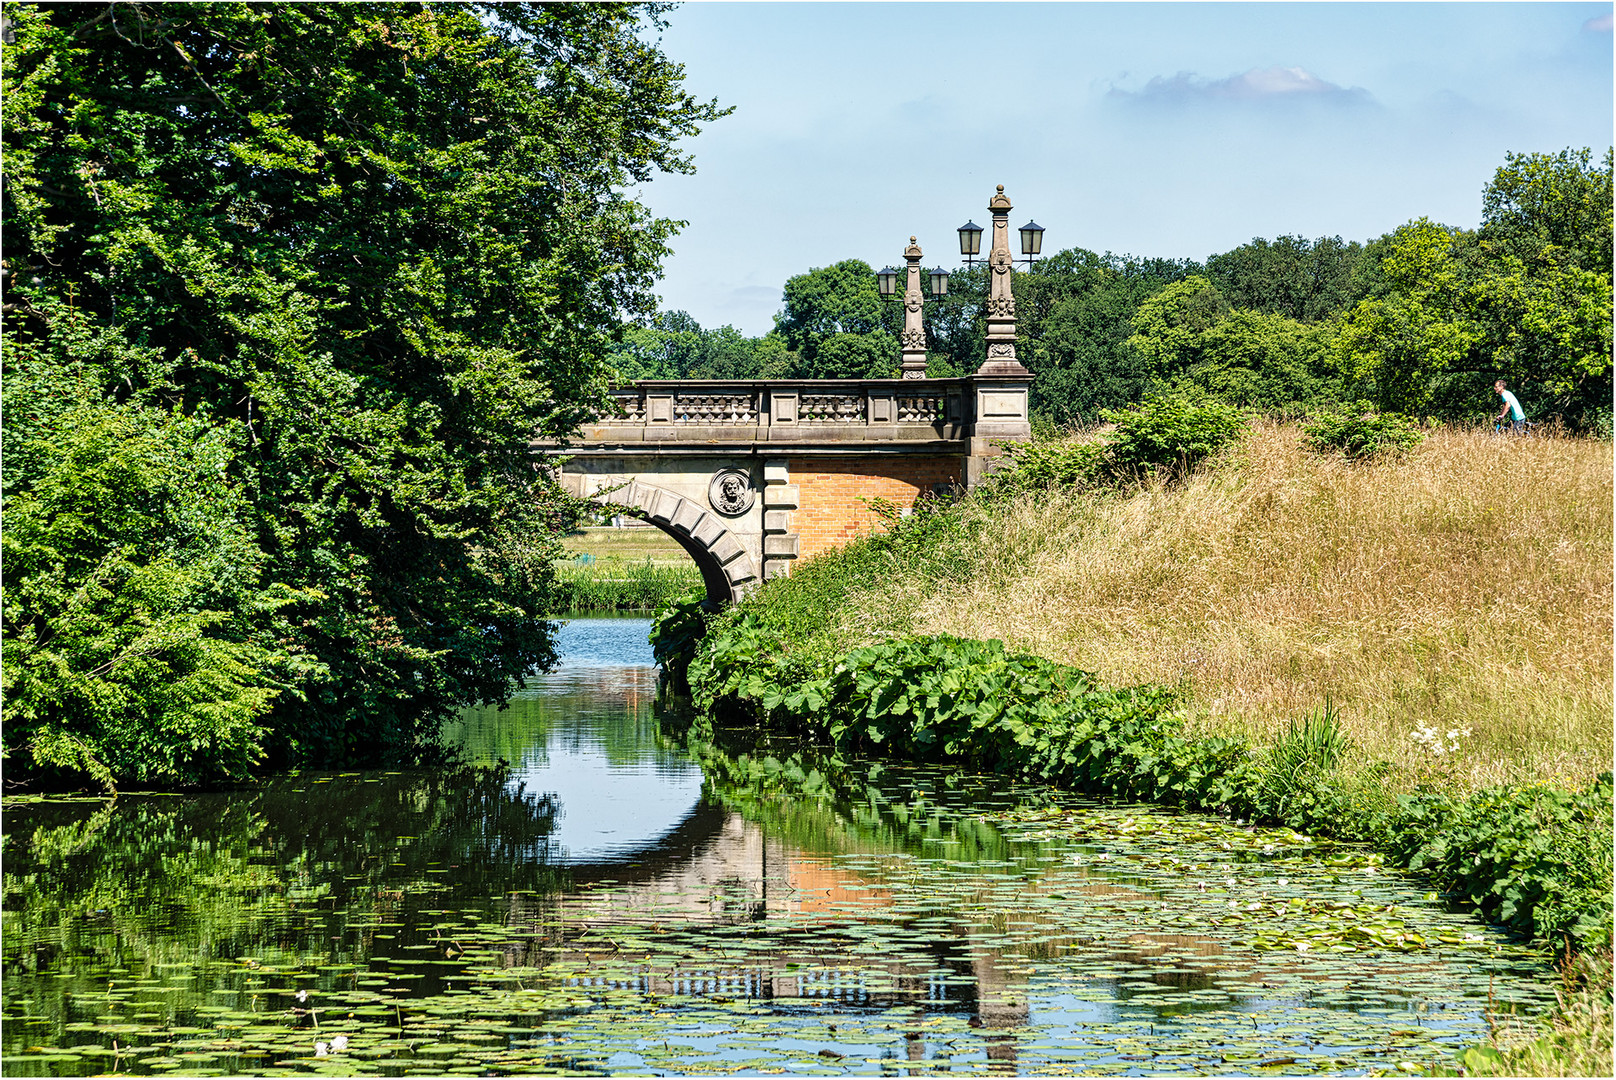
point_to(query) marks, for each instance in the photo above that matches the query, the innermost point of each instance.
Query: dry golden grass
(1464, 586)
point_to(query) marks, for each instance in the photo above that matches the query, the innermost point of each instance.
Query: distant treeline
(1420, 321)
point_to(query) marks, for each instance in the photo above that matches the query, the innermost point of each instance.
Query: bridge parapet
(750, 475)
(816, 410)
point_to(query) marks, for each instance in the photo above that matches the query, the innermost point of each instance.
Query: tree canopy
(316, 274)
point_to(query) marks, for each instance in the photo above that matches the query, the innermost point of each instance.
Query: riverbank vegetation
(1409, 650)
(289, 290)
(617, 584)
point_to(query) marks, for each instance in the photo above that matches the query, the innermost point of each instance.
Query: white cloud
(1259, 84)
(1599, 24)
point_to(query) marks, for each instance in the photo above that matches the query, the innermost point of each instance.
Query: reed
(613, 584)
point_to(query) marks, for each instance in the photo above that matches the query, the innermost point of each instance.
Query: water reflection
(620, 900)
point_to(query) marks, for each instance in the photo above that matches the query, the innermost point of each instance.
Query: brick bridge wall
(829, 511)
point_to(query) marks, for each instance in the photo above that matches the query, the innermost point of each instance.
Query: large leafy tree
(1527, 297)
(836, 323)
(1304, 280)
(1188, 335)
(367, 252)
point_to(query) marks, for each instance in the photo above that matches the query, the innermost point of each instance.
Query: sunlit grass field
(634, 542)
(632, 569)
(1454, 604)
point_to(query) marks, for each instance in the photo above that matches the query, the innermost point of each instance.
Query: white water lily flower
(1302, 946)
(321, 1050)
(1472, 937)
(1230, 882)
(1284, 881)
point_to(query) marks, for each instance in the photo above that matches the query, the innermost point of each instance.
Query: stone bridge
(749, 476)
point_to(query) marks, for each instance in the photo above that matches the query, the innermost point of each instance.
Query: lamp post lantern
(970, 237)
(1032, 240)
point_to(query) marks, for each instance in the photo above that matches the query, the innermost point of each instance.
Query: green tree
(376, 248)
(836, 322)
(1304, 280)
(1527, 297)
(1551, 208)
(1170, 328)
(1073, 318)
(668, 348)
(1188, 336)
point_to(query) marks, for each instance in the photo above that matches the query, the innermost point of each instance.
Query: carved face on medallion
(730, 492)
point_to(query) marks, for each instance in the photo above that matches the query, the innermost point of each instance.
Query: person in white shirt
(1512, 408)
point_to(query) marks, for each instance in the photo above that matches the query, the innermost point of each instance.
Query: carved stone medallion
(730, 492)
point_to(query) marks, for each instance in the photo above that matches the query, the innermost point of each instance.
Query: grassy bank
(617, 584)
(1413, 652)
(1463, 587)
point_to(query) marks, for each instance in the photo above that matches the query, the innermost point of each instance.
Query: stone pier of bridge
(751, 476)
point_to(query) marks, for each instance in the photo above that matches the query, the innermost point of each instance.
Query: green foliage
(1526, 298)
(375, 249)
(1302, 280)
(676, 632)
(1189, 337)
(1172, 433)
(1551, 208)
(1356, 431)
(837, 324)
(1052, 461)
(138, 642)
(1168, 327)
(1298, 785)
(941, 698)
(1537, 859)
(1074, 317)
(674, 346)
(1167, 435)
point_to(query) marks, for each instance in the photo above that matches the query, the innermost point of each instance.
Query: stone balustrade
(814, 410)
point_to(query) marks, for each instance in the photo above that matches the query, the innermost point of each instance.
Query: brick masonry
(829, 513)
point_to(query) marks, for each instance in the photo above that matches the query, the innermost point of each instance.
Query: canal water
(595, 893)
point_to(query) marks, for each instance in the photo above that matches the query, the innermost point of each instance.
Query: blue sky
(1177, 130)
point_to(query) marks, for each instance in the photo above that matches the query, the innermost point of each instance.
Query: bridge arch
(728, 569)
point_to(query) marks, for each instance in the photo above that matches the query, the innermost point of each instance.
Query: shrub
(1357, 431)
(1537, 859)
(676, 631)
(1044, 462)
(1171, 433)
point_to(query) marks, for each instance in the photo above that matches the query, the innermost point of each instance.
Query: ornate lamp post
(912, 342)
(1001, 307)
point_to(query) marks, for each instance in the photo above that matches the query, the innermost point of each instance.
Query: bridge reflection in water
(815, 908)
(715, 868)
